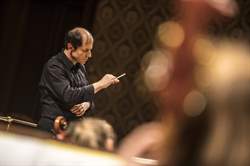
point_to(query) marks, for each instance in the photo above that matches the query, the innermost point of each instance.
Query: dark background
(31, 31)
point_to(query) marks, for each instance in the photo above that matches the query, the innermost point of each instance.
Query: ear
(109, 144)
(60, 136)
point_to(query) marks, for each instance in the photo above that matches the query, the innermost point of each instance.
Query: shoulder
(54, 60)
(54, 64)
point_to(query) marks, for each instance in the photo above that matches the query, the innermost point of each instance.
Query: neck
(68, 54)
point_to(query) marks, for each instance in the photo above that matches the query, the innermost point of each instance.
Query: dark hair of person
(74, 37)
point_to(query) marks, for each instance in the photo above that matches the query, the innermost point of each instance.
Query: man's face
(83, 53)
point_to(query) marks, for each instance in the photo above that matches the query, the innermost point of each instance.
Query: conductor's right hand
(106, 81)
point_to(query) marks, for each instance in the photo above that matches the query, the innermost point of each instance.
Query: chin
(83, 62)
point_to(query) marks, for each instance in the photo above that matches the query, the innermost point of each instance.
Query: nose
(89, 55)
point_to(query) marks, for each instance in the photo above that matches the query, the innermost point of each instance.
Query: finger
(78, 112)
(81, 113)
(78, 109)
(113, 77)
(81, 109)
(74, 110)
(86, 105)
(117, 80)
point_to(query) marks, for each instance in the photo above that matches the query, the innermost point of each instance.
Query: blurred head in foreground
(91, 132)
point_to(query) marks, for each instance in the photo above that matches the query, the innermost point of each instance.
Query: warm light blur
(203, 50)
(170, 34)
(194, 103)
(230, 62)
(157, 73)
